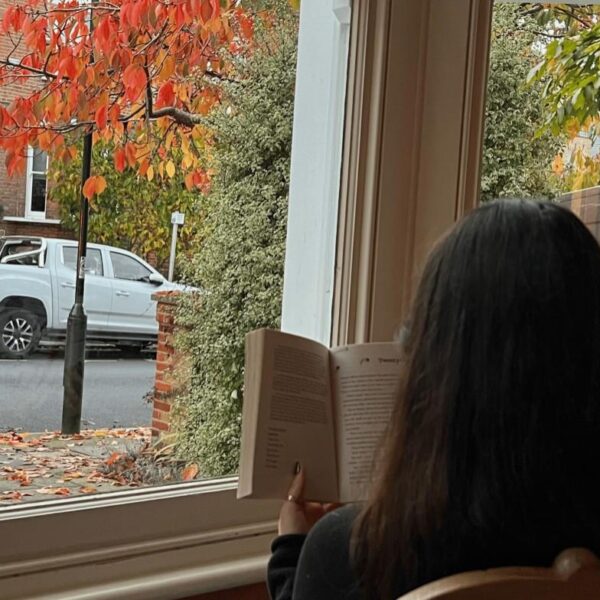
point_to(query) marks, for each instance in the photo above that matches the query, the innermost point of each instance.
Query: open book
(326, 408)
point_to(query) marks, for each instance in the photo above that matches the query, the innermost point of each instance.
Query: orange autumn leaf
(88, 489)
(113, 458)
(120, 160)
(190, 472)
(94, 186)
(102, 116)
(134, 80)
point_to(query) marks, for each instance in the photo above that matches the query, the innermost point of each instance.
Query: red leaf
(113, 458)
(120, 160)
(166, 95)
(206, 11)
(134, 80)
(102, 117)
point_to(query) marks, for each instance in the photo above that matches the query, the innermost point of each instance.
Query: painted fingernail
(297, 468)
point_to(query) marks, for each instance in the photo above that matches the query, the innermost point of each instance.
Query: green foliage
(239, 263)
(516, 162)
(571, 68)
(133, 213)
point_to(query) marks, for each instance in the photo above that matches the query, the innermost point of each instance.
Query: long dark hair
(493, 454)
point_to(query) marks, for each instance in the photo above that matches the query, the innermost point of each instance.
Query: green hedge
(239, 262)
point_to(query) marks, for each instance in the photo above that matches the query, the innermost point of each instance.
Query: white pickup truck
(37, 291)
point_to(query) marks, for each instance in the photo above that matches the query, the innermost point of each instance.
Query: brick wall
(164, 379)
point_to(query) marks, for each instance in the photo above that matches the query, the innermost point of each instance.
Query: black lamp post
(77, 322)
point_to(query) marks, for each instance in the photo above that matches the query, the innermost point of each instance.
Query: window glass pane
(93, 260)
(163, 381)
(38, 193)
(125, 267)
(39, 161)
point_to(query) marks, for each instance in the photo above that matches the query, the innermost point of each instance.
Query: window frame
(194, 537)
(30, 173)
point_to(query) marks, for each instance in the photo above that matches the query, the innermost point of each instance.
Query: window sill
(164, 542)
(32, 220)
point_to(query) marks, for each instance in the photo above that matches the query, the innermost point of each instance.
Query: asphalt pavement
(31, 391)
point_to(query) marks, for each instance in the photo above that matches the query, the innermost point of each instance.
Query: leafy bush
(240, 257)
(516, 162)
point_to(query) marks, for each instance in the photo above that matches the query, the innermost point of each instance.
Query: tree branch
(182, 117)
(38, 72)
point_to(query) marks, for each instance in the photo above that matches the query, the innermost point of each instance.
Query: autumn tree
(142, 74)
(516, 161)
(133, 213)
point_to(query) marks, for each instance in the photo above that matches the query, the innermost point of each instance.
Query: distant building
(24, 199)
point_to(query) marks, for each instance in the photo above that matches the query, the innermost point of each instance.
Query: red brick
(162, 356)
(161, 386)
(160, 425)
(159, 415)
(164, 406)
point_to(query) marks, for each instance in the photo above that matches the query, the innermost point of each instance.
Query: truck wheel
(20, 333)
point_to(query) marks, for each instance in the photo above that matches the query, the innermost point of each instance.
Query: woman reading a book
(493, 451)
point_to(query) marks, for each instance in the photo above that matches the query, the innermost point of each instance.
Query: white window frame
(164, 542)
(29, 212)
(415, 99)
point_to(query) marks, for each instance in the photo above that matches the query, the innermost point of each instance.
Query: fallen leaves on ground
(57, 465)
(14, 495)
(61, 491)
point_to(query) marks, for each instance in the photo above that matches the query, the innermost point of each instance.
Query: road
(31, 391)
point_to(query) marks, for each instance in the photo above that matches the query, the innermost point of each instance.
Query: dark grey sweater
(317, 566)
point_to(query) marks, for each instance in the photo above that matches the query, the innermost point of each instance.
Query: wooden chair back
(575, 575)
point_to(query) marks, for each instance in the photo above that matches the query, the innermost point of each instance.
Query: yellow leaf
(170, 168)
(150, 173)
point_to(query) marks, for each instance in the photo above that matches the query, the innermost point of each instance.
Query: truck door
(133, 310)
(97, 296)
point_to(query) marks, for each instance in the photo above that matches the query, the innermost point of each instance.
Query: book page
(295, 419)
(365, 381)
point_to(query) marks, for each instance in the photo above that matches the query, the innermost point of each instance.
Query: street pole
(77, 321)
(177, 219)
(173, 251)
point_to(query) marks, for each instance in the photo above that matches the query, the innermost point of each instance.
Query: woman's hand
(296, 515)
